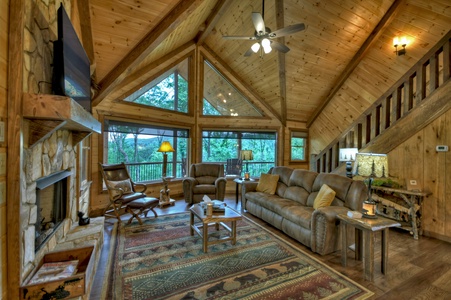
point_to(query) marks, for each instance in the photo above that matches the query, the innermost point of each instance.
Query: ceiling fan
(264, 37)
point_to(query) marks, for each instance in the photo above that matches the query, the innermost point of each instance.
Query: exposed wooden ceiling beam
(217, 13)
(367, 45)
(86, 32)
(281, 59)
(152, 39)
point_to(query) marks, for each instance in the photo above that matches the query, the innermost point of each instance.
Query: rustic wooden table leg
(384, 255)
(236, 193)
(368, 258)
(205, 237)
(191, 223)
(358, 244)
(233, 232)
(344, 243)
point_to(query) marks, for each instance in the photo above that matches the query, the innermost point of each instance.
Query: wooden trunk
(70, 287)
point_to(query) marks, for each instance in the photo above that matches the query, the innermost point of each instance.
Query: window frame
(239, 133)
(190, 92)
(171, 159)
(297, 133)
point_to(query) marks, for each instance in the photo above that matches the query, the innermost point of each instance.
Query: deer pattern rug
(161, 260)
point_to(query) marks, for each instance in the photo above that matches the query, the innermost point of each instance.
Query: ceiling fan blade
(279, 47)
(238, 37)
(248, 52)
(259, 24)
(287, 30)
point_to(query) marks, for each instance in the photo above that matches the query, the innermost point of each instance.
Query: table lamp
(246, 155)
(165, 148)
(348, 155)
(370, 165)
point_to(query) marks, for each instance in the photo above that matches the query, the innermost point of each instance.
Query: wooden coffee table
(216, 220)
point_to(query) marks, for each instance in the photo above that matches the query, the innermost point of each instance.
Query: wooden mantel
(48, 113)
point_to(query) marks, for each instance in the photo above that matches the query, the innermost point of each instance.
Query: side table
(414, 201)
(367, 227)
(240, 181)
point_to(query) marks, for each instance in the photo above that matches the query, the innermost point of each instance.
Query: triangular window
(221, 98)
(167, 91)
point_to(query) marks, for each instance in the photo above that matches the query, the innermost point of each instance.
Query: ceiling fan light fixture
(255, 47)
(267, 49)
(266, 43)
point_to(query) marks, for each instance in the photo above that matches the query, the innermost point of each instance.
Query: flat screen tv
(71, 66)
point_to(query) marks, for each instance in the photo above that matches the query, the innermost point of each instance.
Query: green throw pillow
(324, 198)
(267, 183)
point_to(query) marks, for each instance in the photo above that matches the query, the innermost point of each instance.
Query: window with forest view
(167, 91)
(136, 145)
(222, 98)
(298, 145)
(218, 146)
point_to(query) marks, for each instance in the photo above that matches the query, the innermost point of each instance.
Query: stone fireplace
(51, 202)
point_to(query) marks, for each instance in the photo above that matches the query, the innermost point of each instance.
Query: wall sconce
(400, 42)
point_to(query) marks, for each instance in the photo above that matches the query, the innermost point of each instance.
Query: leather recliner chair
(204, 179)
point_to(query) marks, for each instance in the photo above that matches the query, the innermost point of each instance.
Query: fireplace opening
(51, 201)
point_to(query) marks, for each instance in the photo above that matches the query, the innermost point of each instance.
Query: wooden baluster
(421, 83)
(446, 61)
(433, 82)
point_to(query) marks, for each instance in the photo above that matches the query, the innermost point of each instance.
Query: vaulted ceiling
(337, 67)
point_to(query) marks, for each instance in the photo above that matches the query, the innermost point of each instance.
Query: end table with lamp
(165, 198)
(246, 155)
(370, 165)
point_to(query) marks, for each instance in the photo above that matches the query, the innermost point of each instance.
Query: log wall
(418, 159)
(4, 21)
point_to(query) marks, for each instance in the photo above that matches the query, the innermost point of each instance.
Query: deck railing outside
(431, 72)
(152, 171)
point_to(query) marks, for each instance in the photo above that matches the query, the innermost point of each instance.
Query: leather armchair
(204, 179)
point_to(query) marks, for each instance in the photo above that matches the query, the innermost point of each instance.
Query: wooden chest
(69, 287)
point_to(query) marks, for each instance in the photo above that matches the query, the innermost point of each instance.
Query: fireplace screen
(51, 201)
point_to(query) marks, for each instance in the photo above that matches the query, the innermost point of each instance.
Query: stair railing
(430, 73)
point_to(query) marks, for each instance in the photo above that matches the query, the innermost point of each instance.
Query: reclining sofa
(290, 208)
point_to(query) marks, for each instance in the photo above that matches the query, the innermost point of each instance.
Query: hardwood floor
(417, 269)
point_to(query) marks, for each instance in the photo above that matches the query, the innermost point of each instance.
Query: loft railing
(430, 73)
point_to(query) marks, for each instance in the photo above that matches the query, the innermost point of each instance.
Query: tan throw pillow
(324, 198)
(267, 183)
(125, 185)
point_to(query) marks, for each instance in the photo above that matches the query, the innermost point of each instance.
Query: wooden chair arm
(141, 186)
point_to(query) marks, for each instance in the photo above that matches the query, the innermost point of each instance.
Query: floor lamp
(164, 193)
(165, 148)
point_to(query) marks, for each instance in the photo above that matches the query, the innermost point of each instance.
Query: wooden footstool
(141, 206)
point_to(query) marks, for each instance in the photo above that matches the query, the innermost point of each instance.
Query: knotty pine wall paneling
(4, 28)
(417, 158)
(435, 172)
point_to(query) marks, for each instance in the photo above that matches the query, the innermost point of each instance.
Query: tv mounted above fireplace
(71, 66)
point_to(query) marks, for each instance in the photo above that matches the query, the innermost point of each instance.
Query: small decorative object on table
(165, 198)
(82, 220)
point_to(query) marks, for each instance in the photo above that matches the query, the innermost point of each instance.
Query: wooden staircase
(419, 97)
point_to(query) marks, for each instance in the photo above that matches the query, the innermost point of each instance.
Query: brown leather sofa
(204, 179)
(291, 210)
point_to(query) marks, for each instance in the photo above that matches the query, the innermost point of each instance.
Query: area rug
(161, 260)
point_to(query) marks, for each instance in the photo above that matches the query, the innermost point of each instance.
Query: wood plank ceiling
(336, 68)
